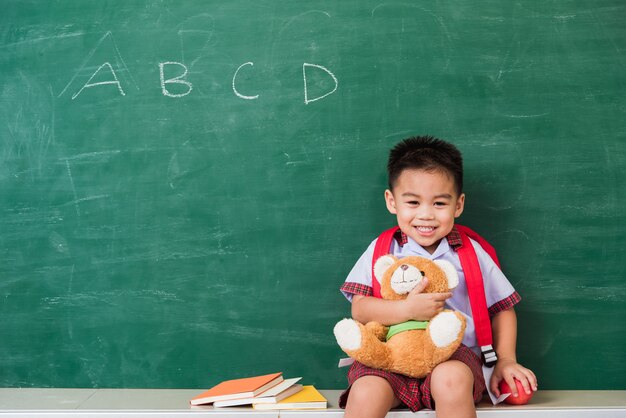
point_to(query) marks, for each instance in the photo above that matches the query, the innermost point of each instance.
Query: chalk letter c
(235, 88)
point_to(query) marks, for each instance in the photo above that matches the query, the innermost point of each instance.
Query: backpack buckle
(489, 355)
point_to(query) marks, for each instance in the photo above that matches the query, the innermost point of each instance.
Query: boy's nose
(425, 213)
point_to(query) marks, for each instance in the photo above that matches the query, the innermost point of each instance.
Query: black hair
(425, 153)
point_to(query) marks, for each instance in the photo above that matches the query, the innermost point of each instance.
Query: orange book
(238, 388)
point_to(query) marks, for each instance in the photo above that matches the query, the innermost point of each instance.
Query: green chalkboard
(185, 184)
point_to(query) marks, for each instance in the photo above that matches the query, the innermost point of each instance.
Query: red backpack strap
(480, 240)
(476, 292)
(383, 244)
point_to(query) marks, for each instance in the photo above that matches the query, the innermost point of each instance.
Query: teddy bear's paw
(348, 334)
(445, 328)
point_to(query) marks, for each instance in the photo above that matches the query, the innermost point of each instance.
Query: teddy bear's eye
(423, 274)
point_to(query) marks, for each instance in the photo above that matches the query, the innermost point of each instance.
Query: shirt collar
(453, 238)
(400, 237)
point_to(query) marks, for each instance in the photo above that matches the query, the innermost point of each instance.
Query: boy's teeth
(425, 228)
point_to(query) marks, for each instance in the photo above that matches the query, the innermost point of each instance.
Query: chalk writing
(181, 79)
(89, 84)
(118, 56)
(174, 75)
(176, 80)
(235, 88)
(306, 95)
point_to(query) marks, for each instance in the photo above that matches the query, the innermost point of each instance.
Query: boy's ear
(391, 203)
(460, 204)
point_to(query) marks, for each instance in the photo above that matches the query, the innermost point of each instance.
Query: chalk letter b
(175, 80)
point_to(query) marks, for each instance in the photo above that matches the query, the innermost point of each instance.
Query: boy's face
(426, 204)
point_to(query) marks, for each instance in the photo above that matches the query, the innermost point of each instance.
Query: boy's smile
(426, 204)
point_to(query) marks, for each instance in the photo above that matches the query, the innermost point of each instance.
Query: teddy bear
(414, 348)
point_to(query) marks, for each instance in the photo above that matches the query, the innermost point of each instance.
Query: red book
(238, 388)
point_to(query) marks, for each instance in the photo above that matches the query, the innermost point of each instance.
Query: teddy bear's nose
(404, 267)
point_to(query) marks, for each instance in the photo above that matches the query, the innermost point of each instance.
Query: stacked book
(269, 391)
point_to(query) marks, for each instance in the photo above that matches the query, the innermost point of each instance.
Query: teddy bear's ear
(382, 264)
(450, 271)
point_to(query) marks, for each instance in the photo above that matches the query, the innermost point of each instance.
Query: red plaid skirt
(415, 393)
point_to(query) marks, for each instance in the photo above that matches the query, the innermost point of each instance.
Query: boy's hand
(509, 370)
(423, 306)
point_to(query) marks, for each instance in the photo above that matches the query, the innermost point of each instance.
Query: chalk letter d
(308, 100)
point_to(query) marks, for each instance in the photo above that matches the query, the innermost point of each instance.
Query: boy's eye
(440, 203)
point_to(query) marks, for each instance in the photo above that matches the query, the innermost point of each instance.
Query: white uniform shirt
(497, 286)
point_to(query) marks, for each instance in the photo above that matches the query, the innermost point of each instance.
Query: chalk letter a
(307, 100)
(176, 80)
(100, 83)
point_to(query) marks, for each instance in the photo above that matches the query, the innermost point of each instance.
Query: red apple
(522, 397)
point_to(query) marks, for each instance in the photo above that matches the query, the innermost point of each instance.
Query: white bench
(174, 403)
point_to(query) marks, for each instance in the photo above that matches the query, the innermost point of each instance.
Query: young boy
(426, 195)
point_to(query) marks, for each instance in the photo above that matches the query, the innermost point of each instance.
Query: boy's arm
(504, 327)
(417, 306)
